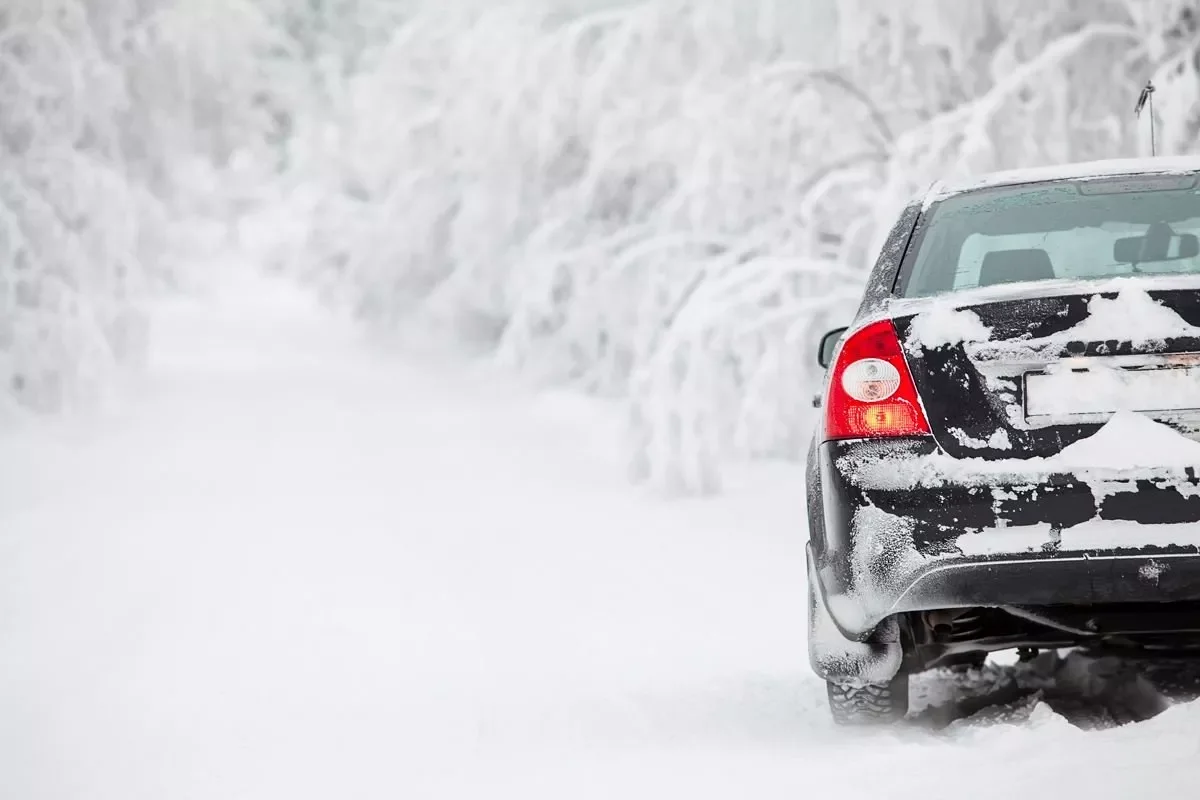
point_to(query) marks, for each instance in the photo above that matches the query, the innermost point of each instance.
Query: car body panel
(894, 541)
(1107, 168)
(975, 389)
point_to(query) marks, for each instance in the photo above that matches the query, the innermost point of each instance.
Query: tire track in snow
(297, 568)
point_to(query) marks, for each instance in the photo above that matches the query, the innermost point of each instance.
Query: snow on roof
(1090, 169)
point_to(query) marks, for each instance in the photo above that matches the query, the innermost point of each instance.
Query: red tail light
(871, 391)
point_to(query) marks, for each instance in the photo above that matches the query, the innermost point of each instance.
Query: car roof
(1108, 168)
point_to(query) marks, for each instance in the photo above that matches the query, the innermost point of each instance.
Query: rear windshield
(1081, 230)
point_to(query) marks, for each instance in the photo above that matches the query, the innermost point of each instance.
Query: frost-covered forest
(662, 202)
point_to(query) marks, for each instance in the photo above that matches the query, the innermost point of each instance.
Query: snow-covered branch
(665, 201)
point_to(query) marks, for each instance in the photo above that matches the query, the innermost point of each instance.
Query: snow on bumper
(901, 532)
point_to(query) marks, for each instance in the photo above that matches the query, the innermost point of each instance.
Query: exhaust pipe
(942, 623)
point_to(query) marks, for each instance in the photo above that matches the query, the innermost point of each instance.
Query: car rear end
(1011, 444)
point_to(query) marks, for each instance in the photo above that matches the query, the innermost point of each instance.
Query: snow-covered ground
(299, 567)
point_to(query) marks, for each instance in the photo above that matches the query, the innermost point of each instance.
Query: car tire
(869, 704)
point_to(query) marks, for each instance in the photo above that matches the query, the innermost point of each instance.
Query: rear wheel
(869, 704)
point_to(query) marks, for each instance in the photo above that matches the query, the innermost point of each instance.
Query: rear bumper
(1156, 575)
(898, 540)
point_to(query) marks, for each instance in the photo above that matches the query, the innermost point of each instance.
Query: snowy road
(296, 568)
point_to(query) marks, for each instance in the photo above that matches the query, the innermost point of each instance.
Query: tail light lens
(871, 391)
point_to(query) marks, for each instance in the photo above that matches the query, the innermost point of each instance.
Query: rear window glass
(1080, 230)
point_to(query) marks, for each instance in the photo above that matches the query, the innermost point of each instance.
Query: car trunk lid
(1006, 374)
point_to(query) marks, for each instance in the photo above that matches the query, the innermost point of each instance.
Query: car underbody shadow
(1092, 691)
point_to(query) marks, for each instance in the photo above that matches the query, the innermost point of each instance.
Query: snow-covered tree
(668, 201)
(664, 201)
(70, 269)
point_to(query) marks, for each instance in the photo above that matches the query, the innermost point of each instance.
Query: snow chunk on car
(997, 441)
(944, 325)
(1094, 534)
(1153, 321)
(1130, 441)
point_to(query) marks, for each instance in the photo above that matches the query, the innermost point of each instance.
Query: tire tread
(869, 704)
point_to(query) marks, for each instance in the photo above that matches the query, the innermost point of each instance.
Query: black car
(1010, 448)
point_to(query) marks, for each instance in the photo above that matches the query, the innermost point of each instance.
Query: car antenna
(1147, 96)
